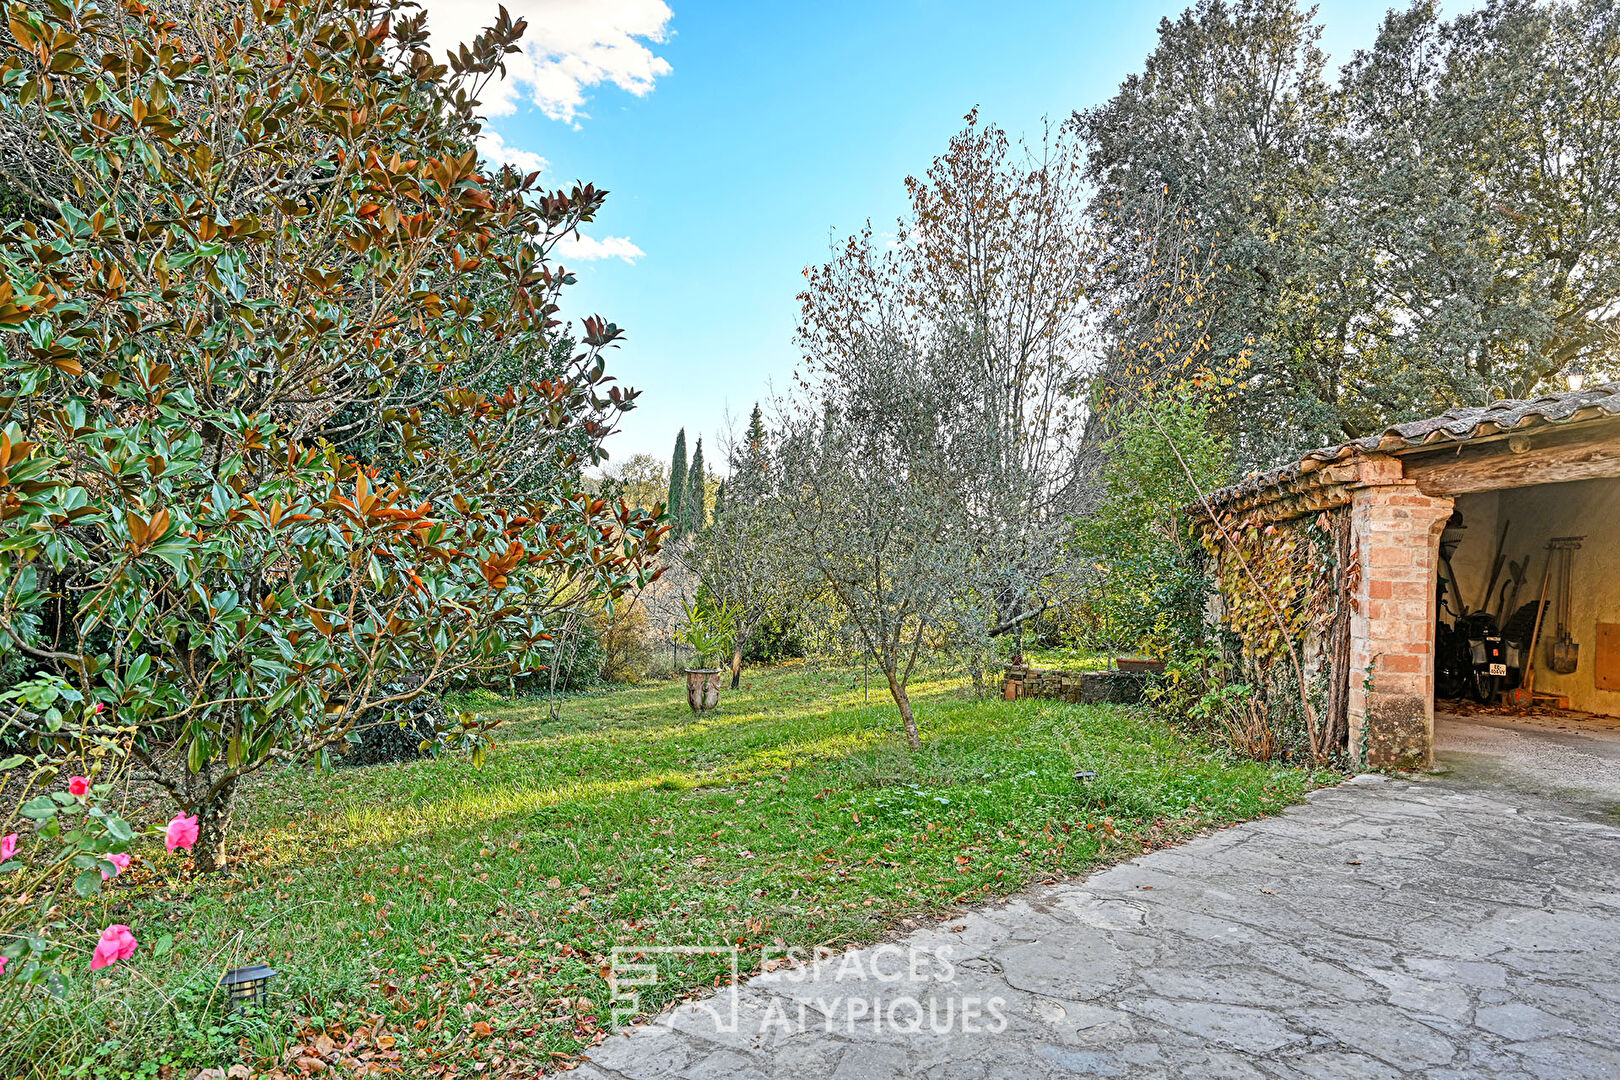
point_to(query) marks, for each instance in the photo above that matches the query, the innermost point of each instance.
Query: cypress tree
(695, 507)
(756, 435)
(675, 508)
(749, 468)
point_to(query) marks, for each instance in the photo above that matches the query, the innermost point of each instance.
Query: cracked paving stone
(1478, 939)
(1240, 1027)
(1521, 1022)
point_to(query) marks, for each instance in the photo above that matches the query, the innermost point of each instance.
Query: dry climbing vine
(1295, 563)
(1281, 583)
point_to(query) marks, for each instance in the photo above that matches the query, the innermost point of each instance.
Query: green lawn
(441, 912)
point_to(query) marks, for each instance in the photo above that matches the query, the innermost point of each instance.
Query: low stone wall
(1081, 687)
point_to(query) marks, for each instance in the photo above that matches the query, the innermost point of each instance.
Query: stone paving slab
(1385, 928)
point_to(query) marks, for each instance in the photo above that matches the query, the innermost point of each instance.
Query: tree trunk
(213, 826)
(736, 665)
(898, 690)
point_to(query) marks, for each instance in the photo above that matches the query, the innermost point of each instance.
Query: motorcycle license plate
(1498, 669)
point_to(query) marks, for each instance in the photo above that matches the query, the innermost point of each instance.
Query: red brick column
(1396, 542)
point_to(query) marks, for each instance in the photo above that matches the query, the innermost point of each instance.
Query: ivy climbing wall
(1284, 588)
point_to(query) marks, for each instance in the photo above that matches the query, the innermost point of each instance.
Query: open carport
(1463, 519)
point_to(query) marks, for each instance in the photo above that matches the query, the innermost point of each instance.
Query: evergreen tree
(1434, 226)
(750, 461)
(695, 508)
(677, 486)
(756, 435)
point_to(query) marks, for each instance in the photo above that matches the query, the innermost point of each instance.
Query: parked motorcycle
(1487, 656)
(1470, 657)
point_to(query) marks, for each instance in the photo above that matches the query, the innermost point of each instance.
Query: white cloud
(494, 149)
(589, 249)
(569, 47)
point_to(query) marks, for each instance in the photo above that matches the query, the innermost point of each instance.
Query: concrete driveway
(1569, 757)
(1438, 928)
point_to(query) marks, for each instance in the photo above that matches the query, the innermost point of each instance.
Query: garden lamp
(248, 986)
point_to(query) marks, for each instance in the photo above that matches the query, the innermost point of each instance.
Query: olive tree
(1000, 256)
(877, 458)
(256, 486)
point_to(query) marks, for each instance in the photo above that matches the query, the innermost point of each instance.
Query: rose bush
(56, 843)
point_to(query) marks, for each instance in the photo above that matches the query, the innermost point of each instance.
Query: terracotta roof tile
(1456, 425)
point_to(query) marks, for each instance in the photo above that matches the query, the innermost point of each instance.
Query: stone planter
(702, 688)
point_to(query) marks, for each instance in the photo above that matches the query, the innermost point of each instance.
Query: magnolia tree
(257, 487)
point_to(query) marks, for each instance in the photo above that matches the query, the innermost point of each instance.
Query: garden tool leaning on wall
(1563, 654)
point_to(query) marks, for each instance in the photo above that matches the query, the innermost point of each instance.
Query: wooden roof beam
(1542, 456)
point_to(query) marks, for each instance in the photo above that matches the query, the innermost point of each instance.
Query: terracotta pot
(702, 688)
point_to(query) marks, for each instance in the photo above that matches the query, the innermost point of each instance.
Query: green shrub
(778, 638)
(1147, 591)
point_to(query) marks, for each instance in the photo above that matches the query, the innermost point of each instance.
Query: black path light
(248, 986)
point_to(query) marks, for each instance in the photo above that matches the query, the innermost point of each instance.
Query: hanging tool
(1564, 655)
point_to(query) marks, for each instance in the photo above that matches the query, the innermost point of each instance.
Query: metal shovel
(1564, 655)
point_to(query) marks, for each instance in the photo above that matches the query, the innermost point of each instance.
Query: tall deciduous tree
(998, 259)
(996, 255)
(260, 226)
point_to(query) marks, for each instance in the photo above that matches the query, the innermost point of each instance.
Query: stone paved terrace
(1387, 928)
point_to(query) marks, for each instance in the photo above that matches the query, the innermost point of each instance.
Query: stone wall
(1082, 687)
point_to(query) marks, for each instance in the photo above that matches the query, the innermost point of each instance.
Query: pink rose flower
(79, 785)
(2, 965)
(8, 847)
(120, 864)
(182, 832)
(117, 943)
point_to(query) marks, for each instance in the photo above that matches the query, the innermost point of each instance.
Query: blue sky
(736, 137)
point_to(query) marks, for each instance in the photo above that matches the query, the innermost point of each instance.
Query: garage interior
(1503, 551)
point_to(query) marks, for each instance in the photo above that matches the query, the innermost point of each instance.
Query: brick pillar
(1396, 541)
